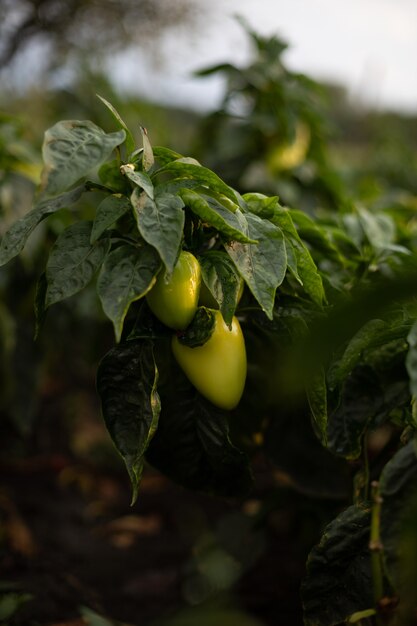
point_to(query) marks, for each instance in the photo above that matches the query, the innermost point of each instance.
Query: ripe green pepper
(174, 300)
(217, 369)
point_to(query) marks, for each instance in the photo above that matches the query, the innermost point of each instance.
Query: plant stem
(376, 547)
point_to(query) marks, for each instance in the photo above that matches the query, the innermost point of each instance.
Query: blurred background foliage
(277, 132)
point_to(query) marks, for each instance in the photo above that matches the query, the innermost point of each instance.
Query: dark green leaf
(223, 281)
(411, 360)
(200, 330)
(127, 274)
(71, 149)
(130, 142)
(141, 179)
(316, 235)
(306, 271)
(262, 266)
(108, 212)
(354, 351)
(306, 464)
(317, 400)
(192, 444)
(204, 176)
(338, 582)
(233, 225)
(365, 398)
(398, 490)
(72, 262)
(15, 238)
(360, 400)
(127, 384)
(161, 223)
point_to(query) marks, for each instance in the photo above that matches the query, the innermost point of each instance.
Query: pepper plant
(330, 359)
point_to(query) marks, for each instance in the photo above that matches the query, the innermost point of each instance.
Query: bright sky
(368, 45)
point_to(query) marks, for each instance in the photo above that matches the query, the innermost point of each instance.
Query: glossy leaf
(108, 212)
(223, 281)
(15, 238)
(306, 269)
(261, 205)
(338, 582)
(127, 384)
(130, 142)
(165, 155)
(200, 330)
(161, 223)
(71, 149)
(72, 262)
(262, 266)
(204, 176)
(233, 225)
(141, 179)
(127, 274)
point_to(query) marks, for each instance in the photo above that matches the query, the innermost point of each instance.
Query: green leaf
(263, 206)
(130, 142)
(233, 225)
(398, 490)
(127, 384)
(292, 264)
(141, 179)
(127, 274)
(360, 400)
(111, 177)
(192, 444)
(165, 155)
(262, 266)
(11, 602)
(411, 359)
(108, 212)
(223, 281)
(200, 330)
(147, 156)
(379, 228)
(317, 400)
(316, 235)
(366, 397)
(338, 582)
(354, 351)
(361, 615)
(306, 270)
(72, 262)
(15, 238)
(161, 223)
(71, 149)
(204, 176)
